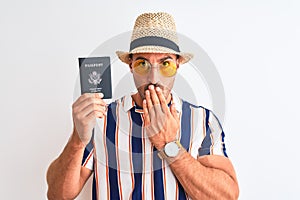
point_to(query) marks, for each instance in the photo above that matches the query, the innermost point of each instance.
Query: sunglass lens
(141, 67)
(168, 68)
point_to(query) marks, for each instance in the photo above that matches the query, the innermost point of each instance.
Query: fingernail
(144, 101)
(101, 95)
(147, 92)
(157, 89)
(151, 87)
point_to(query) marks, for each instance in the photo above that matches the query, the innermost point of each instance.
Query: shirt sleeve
(213, 142)
(88, 155)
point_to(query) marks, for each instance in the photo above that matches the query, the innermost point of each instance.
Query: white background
(253, 44)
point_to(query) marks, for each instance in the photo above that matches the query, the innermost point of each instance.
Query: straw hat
(154, 33)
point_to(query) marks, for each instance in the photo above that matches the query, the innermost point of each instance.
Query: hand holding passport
(95, 75)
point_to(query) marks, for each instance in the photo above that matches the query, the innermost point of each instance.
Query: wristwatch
(170, 150)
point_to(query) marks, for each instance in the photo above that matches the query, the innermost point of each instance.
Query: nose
(153, 76)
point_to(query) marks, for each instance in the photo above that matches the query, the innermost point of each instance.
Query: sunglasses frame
(151, 66)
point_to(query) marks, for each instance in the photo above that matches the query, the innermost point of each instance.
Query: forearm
(63, 176)
(204, 181)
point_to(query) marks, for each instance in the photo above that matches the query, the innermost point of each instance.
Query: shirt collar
(128, 103)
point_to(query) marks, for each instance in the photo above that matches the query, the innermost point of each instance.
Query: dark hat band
(154, 41)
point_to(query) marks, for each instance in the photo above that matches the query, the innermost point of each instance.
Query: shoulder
(200, 110)
(186, 104)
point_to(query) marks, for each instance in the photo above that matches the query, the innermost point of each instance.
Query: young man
(149, 145)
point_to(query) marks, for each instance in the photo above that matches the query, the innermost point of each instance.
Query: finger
(155, 100)
(162, 100)
(85, 96)
(99, 95)
(153, 95)
(95, 114)
(146, 113)
(174, 112)
(93, 100)
(160, 124)
(91, 108)
(149, 104)
(151, 131)
(88, 101)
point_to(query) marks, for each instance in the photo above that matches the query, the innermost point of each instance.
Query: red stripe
(130, 154)
(88, 158)
(176, 197)
(144, 159)
(106, 156)
(165, 179)
(96, 171)
(192, 136)
(123, 100)
(152, 178)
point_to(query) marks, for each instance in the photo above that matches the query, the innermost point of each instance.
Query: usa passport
(95, 75)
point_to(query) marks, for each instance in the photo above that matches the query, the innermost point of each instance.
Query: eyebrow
(161, 60)
(166, 58)
(142, 58)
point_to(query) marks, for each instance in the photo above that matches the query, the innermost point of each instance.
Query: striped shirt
(126, 165)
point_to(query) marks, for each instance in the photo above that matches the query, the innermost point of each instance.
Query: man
(148, 145)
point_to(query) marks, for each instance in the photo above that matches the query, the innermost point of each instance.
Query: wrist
(179, 156)
(161, 145)
(75, 140)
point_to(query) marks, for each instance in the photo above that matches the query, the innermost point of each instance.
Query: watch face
(171, 149)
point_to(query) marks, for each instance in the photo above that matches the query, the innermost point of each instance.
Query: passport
(95, 75)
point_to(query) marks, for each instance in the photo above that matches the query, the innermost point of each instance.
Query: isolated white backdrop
(253, 44)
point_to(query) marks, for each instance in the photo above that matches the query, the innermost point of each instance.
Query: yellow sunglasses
(167, 68)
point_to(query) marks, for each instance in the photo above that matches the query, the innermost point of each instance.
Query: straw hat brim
(125, 56)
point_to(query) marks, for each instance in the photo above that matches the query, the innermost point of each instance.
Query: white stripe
(101, 156)
(198, 118)
(216, 131)
(170, 184)
(147, 167)
(124, 155)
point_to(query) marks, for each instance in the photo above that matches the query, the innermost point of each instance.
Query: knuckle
(78, 117)
(75, 110)
(94, 114)
(90, 100)
(84, 123)
(85, 95)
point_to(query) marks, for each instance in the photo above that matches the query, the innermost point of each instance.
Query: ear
(130, 67)
(178, 60)
(130, 61)
(177, 63)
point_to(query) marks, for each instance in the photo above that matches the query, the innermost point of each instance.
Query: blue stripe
(137, 150)
(185, 125)
(206, 143)
(94, 191)
(158, 177)
(111, 150)
(185, 138)
(223, 144)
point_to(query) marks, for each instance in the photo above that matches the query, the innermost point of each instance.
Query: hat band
(154, 41)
